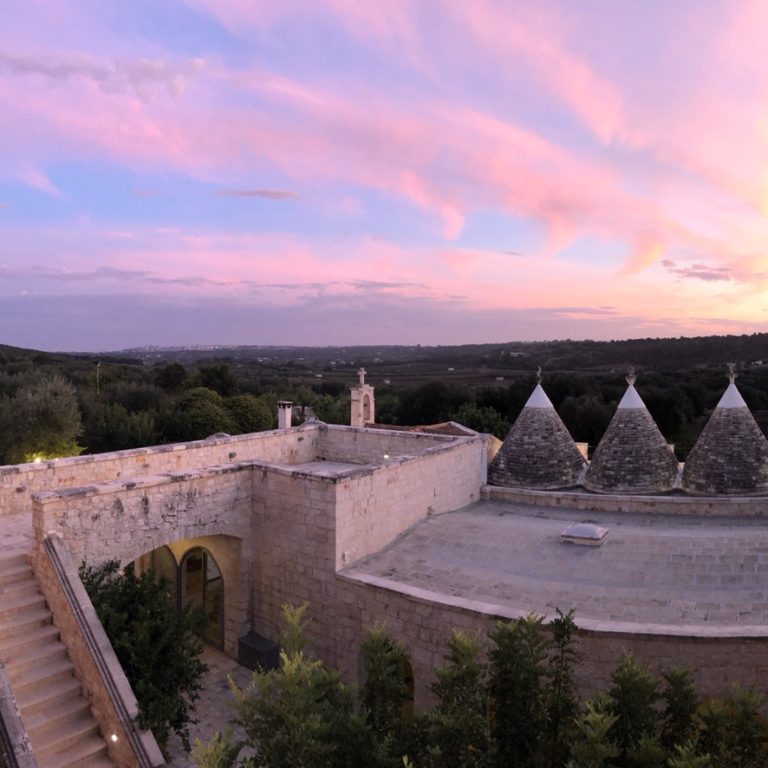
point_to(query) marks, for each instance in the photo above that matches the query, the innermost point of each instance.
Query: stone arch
(201, 584)
(227, 553)
(366, 408)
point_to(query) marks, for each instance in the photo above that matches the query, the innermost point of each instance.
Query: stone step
(11, 558)
(19, 603)
(13, 647)
(27, 682)
(60, 692)
(29, 658)
(54, 716)
(88, 753)
(11, 573)
(14, 588)
(65, 736)
(21, 624)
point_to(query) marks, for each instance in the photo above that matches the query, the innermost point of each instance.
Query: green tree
(678, 718)
(171, 377)
(217, 377)
(560, 697)
(481, 419)
(734, 732)
(300, 715)
(593, 746)
(633, 696)
(197, 414)
(516, 670)
(42, 420)
(249, 414)
(156, 645)
(386, 695)
(458, 725)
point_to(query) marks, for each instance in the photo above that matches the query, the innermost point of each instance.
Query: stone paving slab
(214, 707)
(659, 570)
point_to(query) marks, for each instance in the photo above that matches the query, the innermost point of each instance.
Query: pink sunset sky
(362, 172)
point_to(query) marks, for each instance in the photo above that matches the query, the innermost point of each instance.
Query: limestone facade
(287, 514)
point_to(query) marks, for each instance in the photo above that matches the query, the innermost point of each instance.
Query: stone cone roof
(538, 452)
(731, 454)
(632, 456)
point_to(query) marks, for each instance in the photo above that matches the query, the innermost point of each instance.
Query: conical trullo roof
(731, 454)
(632, 456)
(538, 452)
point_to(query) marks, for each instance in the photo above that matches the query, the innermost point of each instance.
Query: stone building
(371, 526)
(731, 454)
(632, 456)
(538, 452)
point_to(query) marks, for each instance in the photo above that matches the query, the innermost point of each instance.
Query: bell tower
(362, 403)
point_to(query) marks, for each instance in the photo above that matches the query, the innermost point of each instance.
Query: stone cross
(361, 373)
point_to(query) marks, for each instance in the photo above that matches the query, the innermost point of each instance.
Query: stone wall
(125, 519)
(18, 482)
(626, 503)
(373, 508)
(110, 696)
(294, 533)
(370, 446)
(424, 626)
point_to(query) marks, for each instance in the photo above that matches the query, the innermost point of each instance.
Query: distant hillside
(657, 354)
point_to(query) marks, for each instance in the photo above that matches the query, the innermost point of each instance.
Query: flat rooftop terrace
(655, 574)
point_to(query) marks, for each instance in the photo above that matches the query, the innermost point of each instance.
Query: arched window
(202, 586)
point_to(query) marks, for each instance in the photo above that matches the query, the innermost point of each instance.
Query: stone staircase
(53, 709)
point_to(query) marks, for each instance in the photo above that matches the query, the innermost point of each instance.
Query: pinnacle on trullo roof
(731, 454)
(632, 456)
(538, 452)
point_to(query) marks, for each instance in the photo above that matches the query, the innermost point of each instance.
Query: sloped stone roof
(632, 456)
(538, 452)
(731, 454)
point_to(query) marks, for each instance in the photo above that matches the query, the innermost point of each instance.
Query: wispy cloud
(699, 271)
(136, 76)
(264, 194)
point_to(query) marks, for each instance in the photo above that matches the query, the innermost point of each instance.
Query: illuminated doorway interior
(201, 585)
(197, 581)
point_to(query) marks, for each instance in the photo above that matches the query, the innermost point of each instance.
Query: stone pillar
(284, 414)
(362, 405)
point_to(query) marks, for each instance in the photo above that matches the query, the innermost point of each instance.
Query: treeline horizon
(101, 403)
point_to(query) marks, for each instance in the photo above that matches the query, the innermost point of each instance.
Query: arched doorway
(202, 586)
(163, 563)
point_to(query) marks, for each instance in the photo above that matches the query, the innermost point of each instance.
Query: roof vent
(587, 534)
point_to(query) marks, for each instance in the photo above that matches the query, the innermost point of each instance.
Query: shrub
(156, 645)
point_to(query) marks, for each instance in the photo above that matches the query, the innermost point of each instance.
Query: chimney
(284, 414)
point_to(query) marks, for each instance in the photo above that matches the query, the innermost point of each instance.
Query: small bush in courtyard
(157, 646)
(297, 716)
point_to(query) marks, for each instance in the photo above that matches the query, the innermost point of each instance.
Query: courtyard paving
(214, 707)
(654, 570)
